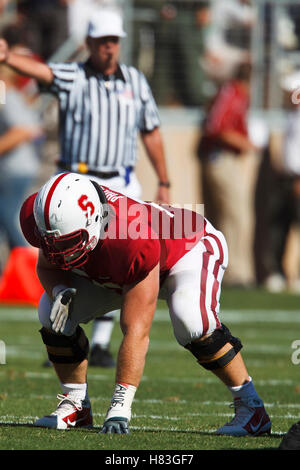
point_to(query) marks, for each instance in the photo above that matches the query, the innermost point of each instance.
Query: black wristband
(165, 184)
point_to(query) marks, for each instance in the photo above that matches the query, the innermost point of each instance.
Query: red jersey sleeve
(27, 221)
(145, 259)
(130, 261)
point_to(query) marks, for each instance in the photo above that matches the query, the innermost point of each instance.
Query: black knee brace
(211, 345)
(66, 349)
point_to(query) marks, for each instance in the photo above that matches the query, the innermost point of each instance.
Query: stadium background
(274, 45)
(183, 90)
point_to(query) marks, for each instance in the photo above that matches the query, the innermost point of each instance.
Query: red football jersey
(139, 235)
(228, 112)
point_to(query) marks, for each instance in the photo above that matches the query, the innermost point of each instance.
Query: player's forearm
(130, 366)
(51, 278)
(135, 321)
(131, 358)
(137, 312)
(30, 67)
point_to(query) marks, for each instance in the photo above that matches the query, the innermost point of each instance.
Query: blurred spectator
(228, 41)
(286, 28)
(45, 25)
(293, 11)
(13, 34)
(229, 165)
(146, 24)
(180, 41)
(284, 200)
(19, 161)
(3, 5)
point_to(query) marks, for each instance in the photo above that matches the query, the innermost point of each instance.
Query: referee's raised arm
(25, 65)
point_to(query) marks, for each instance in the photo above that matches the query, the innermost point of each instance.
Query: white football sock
(244, 391)
(79, 391)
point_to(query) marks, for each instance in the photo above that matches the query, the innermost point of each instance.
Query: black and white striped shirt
(100, 117)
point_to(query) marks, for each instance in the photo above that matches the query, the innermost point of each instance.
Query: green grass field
(178, 404)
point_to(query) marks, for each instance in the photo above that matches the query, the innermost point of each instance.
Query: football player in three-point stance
(101, 251)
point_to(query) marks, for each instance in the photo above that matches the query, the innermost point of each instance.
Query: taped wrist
(63, 349)
(121, 402)
(210, 347)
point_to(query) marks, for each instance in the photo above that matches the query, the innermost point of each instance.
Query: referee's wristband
(165, 184)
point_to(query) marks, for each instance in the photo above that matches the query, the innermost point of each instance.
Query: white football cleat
(251, 419)
(70, 413)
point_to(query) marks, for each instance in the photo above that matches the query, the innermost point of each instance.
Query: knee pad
(211, 345)
(63, 349)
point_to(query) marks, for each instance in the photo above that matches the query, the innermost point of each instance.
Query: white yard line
(188, 380)
(29, 420)
(167, 401)
(161, 315)
(36, 353)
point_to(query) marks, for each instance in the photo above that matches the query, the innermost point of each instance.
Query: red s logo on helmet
(86, 205)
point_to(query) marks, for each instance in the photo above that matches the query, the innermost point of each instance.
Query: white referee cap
(106, 23)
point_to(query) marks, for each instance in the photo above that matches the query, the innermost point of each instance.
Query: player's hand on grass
(60, 309)
(115, 425)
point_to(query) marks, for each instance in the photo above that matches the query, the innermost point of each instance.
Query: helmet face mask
(69, 216)
(67, 251)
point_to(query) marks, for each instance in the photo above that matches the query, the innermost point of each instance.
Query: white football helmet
(69, 211)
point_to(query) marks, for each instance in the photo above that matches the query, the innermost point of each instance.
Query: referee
(103, 106)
